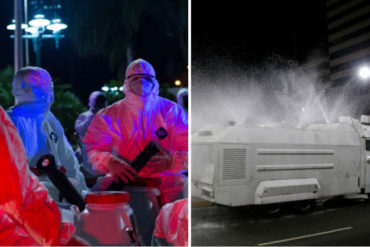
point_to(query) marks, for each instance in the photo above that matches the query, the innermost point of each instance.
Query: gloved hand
(120, 169)
(160, 162)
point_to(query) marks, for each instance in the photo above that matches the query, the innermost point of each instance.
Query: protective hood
(140, 67)
(32, 84)
(183, 92)
(96, 97)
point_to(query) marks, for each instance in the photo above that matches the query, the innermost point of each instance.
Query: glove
(120, 169)
(160, 162)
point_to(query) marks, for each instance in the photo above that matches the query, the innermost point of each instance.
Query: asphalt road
(344, 222)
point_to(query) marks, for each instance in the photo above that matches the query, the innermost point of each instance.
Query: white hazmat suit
(97, 101)
(182, 98)
(28, 216)
(171, 226)
(38, 128)
(119, 133)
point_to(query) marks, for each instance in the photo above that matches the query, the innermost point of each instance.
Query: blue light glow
(56, 27)
(39, 22)
(12, 26)
(32, 30)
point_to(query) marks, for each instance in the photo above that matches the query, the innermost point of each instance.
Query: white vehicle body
(239, 165)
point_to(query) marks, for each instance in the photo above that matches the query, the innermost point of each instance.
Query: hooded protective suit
(97, 101)
(123, 129)
(28, 216)
(171, 226)
(38, 128)
(182, 98)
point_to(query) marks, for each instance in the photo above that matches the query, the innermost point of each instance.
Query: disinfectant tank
(106, 219)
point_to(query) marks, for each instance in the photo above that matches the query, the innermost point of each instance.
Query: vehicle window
(368, 145)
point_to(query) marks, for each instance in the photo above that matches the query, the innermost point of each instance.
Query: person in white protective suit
(171, 226)
(182, 98)
(28, 216)
(119, 132)
(97, 101)
(37, 126)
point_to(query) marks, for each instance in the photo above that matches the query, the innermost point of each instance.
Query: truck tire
(273, 210)
(304, 207)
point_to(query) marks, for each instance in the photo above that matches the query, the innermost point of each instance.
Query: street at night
(343, 222)
(280, 116)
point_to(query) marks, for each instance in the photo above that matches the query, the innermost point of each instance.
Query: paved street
(336, 222)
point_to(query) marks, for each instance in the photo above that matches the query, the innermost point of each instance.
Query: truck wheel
(273, 210)
(304, 207)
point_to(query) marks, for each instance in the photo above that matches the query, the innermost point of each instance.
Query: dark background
(156, 39)
(247, 32)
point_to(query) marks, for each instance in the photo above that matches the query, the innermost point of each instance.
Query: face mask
(141, 84)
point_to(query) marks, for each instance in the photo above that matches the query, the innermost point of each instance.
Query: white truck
(237, 165)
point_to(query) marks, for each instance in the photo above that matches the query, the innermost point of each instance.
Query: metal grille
(234, 164)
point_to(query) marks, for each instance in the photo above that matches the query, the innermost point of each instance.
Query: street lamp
(56, 25)
(37, 29)
(178, 83)
(11, 27)
(111, 90)
(364, 72)
(39, 21)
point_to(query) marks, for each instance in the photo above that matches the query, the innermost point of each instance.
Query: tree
(6, 77)
(66, 107)
(122, 30)
(114, 96)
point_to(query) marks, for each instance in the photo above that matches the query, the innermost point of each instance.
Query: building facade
(349, 38)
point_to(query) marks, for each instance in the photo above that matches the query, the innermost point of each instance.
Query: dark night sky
(85, 75)
(244, 31)
(248, 31)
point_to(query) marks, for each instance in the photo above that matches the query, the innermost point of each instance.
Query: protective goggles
(138, 77)
(141, 84)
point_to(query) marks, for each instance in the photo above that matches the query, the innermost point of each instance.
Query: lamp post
(40, 28)
(18, 48)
